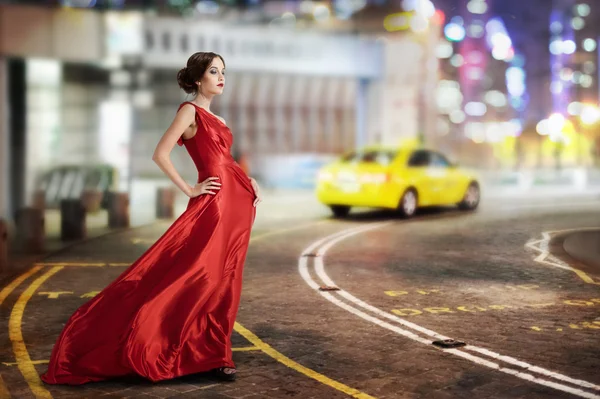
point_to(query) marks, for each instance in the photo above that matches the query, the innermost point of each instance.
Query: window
(166, 41)
(381, 157)
(419, 159)
(230, 47)
(149, 40)
(185, 43)
(439, 161)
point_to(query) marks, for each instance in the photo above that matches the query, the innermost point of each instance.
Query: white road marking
(327, 242)
(551, 205)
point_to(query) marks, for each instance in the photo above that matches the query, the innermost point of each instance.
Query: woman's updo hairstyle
(197, 65)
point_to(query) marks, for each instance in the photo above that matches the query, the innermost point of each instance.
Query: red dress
(172, 312)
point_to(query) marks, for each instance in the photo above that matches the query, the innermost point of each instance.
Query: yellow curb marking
(16, 336)
(6, 291)
(266, 348)
(55, 294)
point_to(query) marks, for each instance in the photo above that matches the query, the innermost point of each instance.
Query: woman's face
(213, 81)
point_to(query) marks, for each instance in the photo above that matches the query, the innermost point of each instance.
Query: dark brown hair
(197, 65)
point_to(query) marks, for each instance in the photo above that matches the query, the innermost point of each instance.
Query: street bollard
(118, 210)
(92, 200)
(3, 246)
(165, 203)
(72, 220)
(30, 229)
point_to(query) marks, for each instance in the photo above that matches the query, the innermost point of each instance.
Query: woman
(172, 312)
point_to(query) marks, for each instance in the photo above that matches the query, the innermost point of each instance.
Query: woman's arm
(256, 188)
(162, 154)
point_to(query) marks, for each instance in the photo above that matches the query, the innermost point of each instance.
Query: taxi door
(422, 176)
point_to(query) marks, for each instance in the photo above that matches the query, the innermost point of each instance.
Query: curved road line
(6, 291)
(327, 242)
(32, 378)
(16, 336)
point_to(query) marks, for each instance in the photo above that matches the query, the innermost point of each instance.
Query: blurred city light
(556, 87)
(556, 27)
(419, 23)
(515, 81)
(444, 50)
(556, 123)
(556, 46)
(396, 22)
(477, 6)
(589, 45)
(476, 30)
(586, 81)
(457, 116)
(495, 98)
(575, 108)
(582, 9)
(321, 12)
(569, 47)
(424, 8)
(454, 31)
(498, 40)
(457, 60)
(590, 114)
(543, 127)
(475, 108)
(577, 23)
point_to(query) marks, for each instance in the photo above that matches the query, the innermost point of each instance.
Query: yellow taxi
(395, 178)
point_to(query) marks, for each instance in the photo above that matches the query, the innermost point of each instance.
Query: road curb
(584, 246)
(573, 247)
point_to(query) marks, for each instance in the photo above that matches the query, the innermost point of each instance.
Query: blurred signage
(78, 3)
(169, 42)
(124, 32)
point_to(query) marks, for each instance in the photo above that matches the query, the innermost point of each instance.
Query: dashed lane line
(321, 246)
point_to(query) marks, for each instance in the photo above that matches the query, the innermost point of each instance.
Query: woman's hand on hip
(206, 187)
(256, 189)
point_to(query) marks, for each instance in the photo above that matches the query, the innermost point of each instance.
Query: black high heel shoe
(223, 376)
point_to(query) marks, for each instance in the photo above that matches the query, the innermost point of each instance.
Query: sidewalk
(278, 206)
(97, 225)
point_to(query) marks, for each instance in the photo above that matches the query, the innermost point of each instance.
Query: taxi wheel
(340, 211)
(408, 203)
(471, 199)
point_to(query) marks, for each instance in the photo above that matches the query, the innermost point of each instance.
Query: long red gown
(172, 312)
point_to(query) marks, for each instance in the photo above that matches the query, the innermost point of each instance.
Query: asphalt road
(529, 319)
